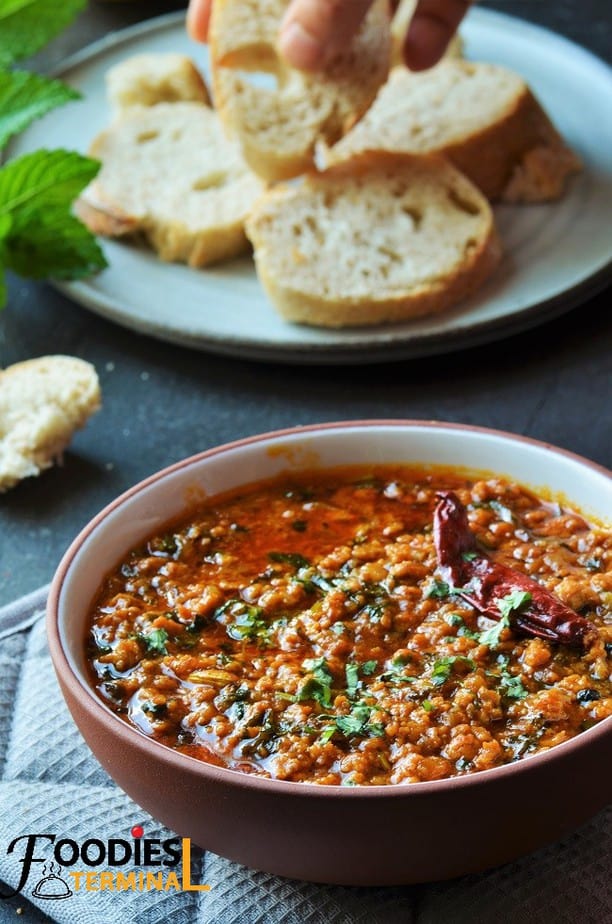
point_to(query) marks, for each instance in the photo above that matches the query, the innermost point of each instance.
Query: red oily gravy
(299, 629)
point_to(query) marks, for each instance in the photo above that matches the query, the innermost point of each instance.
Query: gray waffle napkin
(50, 782)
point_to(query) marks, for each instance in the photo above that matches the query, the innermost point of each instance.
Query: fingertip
(299, 47)
(425, 43)
(198, 20)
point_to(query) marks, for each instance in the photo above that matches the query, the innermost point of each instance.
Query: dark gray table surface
(162, 402)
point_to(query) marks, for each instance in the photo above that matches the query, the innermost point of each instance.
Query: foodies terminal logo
(55, 868)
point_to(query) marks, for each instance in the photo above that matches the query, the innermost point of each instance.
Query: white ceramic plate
(555, 255)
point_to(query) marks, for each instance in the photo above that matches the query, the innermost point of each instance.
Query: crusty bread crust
(279, 128)
(429, 243)
(42, 402)
(499, 136)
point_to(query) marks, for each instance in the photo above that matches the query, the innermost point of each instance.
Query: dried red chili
(486, 584)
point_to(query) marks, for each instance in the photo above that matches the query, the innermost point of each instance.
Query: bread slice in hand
(42, 402)
(371, 244)
(482, 117)
(279, 126)
(170, 174)
(149, 79)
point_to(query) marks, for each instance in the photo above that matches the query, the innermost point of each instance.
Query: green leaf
(443, 668)
(289, 558)
(513, 602)
(27, 25)
(352, 678)
(41, 179)
(25, 97)
(439, 590)
(155, 641)
(57, 245)
(3, 290)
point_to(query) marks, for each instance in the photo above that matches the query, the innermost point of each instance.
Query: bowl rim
(236, 779)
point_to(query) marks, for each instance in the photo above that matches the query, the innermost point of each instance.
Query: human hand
(313, 31)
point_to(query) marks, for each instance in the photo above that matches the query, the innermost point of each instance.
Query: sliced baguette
(482, 117)
(170, 174)
(279, 127)
(42, 402)
(149, 79)
(369, 245)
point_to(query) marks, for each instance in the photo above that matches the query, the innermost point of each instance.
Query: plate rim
(376, 345)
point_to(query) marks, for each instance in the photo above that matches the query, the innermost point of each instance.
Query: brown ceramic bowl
(378, 835)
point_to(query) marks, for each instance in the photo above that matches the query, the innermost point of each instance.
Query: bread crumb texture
(42, 402)
(170, 175)
(363, 244)
(483, 117)
(149, 79)
(279, 121)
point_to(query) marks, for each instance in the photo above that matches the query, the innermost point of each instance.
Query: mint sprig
(39, 235)
(25, 97)
(27, 25)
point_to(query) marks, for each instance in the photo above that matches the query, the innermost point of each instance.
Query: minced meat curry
(310, 628)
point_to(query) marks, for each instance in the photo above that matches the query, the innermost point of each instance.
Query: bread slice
(368, 245)
(279, 126)
(170, 174)
(482, 117)
(149, 79)
(399, 28)
(42, 402)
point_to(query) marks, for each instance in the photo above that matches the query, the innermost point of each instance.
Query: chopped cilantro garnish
(427, 705)
(511, 686)
(368, 668)
(352, 678)
(318, 685)
(443, 668)
(589, 695)
(469, 556)
(439, 590)
(247, 621)
(289, 558)
(513, 602)
(154, 641)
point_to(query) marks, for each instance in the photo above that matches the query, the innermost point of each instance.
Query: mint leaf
(25, 97)
(43, 178)
(42, 237)
(27, 25)
(57, 245)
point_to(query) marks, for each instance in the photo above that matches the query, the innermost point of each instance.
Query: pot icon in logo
(51, 887)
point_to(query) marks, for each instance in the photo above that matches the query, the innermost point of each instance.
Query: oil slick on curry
(310, 628)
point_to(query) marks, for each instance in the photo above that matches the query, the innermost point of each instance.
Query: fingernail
(300, 48)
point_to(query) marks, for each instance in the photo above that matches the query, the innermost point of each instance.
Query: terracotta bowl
(378, 835)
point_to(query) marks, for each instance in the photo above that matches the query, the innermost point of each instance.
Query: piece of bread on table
(399, 28)
(363, 245)
(279, 127)
(149, 79)
(42, 402)
(483, 117)
(170, 174)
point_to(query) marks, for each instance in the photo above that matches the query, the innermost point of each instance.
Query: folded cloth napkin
(50, 783)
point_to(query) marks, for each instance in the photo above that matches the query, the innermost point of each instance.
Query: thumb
(313, 31)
